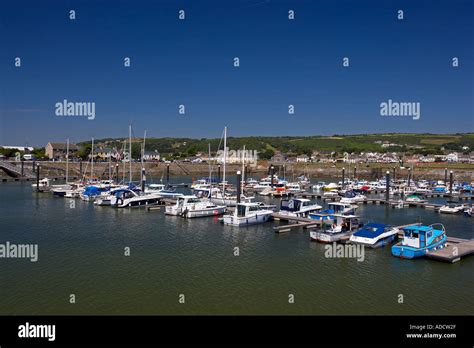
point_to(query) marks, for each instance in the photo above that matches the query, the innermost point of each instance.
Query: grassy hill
(266, 146)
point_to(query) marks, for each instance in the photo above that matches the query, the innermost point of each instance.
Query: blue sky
(190, 62)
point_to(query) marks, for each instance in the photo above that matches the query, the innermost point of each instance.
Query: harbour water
(81, 252)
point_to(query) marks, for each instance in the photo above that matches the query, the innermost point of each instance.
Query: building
(452, 157)
(56, 151)
(302, 158)
(151, 156)
(106, 153)
(278, 158)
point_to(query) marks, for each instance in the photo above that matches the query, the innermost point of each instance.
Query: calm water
(81, 251)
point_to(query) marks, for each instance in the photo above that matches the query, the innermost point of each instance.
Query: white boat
(414, 199)
(342, 226)
(353, 198)
(299, 207)
(189, 206)
(452, 208)
(128, 198)
(331, 193)
(248, 214)
(293, 187)
(375, 235)
(161, 190)
(319, 186)
(43, 185)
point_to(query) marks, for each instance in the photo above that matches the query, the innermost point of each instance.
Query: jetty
(455, 249)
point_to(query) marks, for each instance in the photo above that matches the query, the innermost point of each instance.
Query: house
(452, 157)
(278, 158)
(302, 158)
(151, 156)
(56, 151)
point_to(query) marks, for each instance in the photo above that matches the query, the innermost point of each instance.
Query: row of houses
(58, 151)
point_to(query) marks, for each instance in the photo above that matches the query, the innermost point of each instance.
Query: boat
(298, 207)
(162, 191)
(190, 206)
(330, 186)
(293, 187)
(128, 198)
(352, 197)
(331, 193)
(414, 199)
(375, 235)
(334, 208)
(247, 214)
(469, 211)
(43, 185)
(319, 185)
(452, 208)
(419, 239)
(342, 226)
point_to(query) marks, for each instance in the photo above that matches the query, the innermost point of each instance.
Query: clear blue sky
(190, 62)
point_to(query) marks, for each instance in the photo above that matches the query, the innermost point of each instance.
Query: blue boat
(375, 235)
(418, 240)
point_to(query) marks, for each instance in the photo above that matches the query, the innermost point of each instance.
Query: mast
(143, 153)
(209, 161)
(130, 149)
(243, 168)
(225, 159)
(110, 163)
(67, 160)
(92, 159)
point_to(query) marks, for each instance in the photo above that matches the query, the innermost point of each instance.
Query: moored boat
(419, 239)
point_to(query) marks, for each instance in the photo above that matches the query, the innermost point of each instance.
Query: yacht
(128, 198)
(248, 214)
(189, 206)
(418, 240)
(375, 235)
(162, 191)
(298, 207)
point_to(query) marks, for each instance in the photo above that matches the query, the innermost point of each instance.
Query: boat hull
(407, 252)
(245, 221)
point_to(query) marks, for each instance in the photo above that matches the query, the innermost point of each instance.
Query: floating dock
(455, 249)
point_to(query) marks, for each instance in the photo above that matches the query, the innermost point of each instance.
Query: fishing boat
(375, 235)
(452, 208)
(190, 206)
(247, 214)
(418, 240)
(342, 226)
(299, 207)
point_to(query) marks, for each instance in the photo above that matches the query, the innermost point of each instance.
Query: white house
(452, 157)
(302, 158)
(151, 156)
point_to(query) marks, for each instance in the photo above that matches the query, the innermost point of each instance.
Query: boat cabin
(421, 236)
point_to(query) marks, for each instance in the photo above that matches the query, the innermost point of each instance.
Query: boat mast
(225, 159)
(130, 150)
(243, 170)
(143, 154)
(67, 160)
(92, 159)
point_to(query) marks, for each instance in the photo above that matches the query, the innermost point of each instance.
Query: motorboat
(190, 206)
(298, 207)
(352, 197)
(375, 235)
(452, 208)
(420, 239)
(247, 214)
(341, 227)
